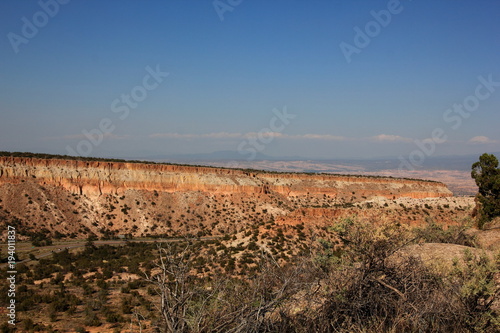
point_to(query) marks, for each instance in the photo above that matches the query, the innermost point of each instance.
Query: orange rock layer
(97, 178)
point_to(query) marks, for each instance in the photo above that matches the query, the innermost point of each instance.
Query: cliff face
(100, 178)
(80, 198)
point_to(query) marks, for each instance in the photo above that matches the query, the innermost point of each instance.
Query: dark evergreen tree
(487, 176)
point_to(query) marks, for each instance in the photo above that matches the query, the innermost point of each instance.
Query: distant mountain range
(223, 155)
(454, 162)
(451, 170)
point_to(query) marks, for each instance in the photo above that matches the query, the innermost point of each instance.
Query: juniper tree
(487, 176)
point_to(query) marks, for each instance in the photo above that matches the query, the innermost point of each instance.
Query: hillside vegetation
(350, 280)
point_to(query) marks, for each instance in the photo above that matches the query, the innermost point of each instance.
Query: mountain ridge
(79, 197)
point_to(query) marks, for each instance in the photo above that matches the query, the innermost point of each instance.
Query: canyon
(78, 198)
(98, 178)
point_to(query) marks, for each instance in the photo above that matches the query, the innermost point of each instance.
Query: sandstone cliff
(97, 178)
(80, 198)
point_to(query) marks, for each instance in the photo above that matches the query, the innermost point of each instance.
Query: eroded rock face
(78, 198)
(98, 178)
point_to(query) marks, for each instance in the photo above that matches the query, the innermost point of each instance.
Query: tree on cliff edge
(487, 176)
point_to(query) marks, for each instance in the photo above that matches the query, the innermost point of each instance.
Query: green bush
(487, 176)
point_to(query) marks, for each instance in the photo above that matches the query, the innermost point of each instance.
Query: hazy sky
(318, 79)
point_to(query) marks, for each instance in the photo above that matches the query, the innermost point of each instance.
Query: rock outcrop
(80, 198)
(93, 178)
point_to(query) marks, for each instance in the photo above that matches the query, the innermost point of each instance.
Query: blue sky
(225, 77)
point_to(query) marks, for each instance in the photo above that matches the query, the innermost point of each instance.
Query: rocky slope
(97, 178)
(76, 197)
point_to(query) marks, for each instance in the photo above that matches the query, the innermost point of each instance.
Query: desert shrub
(7, 328)
(91, 318)
(473, 283)
(432, 232)
(111, 316)
(380, 297)
(369, 291)
(41, 238)
(52, 313)
(126, 305)
(189, 304)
